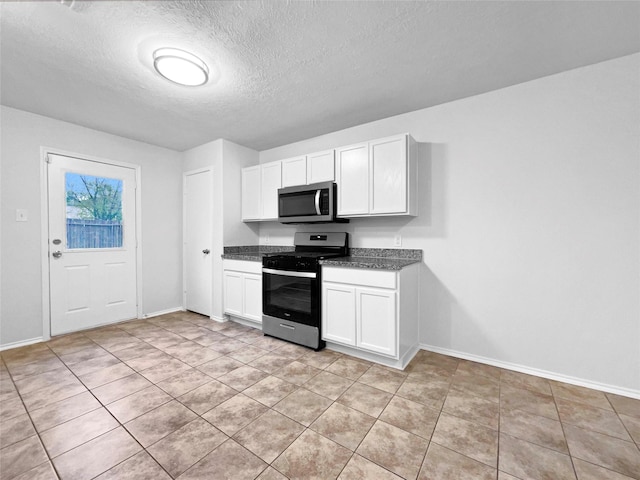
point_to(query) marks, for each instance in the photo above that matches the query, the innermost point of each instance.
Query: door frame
(184, 233)
(44, 228)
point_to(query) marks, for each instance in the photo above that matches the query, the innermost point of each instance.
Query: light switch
(21, 215)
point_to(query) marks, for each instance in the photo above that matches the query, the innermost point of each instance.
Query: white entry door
(197, 240)
(92, 243)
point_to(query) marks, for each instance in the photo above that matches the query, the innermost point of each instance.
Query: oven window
(290, 298)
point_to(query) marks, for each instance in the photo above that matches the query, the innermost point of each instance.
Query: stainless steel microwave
(315, 203)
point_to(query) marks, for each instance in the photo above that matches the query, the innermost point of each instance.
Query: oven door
(291, 295)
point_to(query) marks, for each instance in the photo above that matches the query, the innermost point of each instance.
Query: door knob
(206, 251)
(57, 254)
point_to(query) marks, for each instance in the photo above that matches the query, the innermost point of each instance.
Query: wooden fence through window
(93, 233)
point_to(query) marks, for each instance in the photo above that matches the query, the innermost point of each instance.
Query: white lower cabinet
(339, 313)
(376, 320)
(243, 289)
(373, 311)
(233, 293)
(252, 296)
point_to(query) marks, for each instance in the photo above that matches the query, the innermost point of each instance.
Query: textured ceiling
(286, 71)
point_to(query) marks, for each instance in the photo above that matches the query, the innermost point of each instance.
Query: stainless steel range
(291, 287)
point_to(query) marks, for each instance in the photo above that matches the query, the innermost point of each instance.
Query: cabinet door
(294, 171)
(376, 320)
(271, 182)
(233, 293)
(252, 294)
(388, 163)
(352, 177)
(321, 167)
(339, 313)
(251, 193)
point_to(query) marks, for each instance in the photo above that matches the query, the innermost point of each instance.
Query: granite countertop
(253, 253)
(372, 258)
(378, 263)
(377, 258)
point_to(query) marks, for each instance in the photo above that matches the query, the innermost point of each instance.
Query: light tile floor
(181, 396)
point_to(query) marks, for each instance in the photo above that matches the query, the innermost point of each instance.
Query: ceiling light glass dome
(180, 67)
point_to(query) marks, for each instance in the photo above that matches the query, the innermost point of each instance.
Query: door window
(93, 211)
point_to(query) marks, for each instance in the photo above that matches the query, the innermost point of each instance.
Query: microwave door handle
(318, 201)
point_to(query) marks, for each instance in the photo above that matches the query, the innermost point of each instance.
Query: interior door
(197, 240)
(92, 243)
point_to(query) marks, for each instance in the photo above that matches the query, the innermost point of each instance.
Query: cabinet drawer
(360, 276)
(245, 266)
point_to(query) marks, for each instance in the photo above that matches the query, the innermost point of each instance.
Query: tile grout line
(564, 434)
(441, 409)
(50, 460)
(499, 425)
(122, 424)
(99, 402)
(102, 434)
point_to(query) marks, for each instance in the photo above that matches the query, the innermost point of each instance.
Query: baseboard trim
(21, 343)
(163, 312)
(245, 321)
(218, 319)
(370, 356)
(625, 392)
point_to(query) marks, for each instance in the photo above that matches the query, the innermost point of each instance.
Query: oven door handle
(287, 273)
(318, 202)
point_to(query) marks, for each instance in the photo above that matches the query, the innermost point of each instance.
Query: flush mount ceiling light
(180, 67)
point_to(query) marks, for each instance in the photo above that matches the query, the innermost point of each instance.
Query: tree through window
(94, 211)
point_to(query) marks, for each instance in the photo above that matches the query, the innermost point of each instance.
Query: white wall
(227, 160)
(529, 222)
(22, 136)
(236, 157)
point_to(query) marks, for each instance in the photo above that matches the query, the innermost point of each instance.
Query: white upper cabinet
(377, 177)
(294, 171)
(388, 175)
(374, 178)
(271, 182)
(251, 198)
(321, 167)
(352, 177)
(308, 169)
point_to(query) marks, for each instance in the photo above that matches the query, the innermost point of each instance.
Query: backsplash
(249, 249)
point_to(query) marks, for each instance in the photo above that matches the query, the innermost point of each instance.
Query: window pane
(94, 211)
